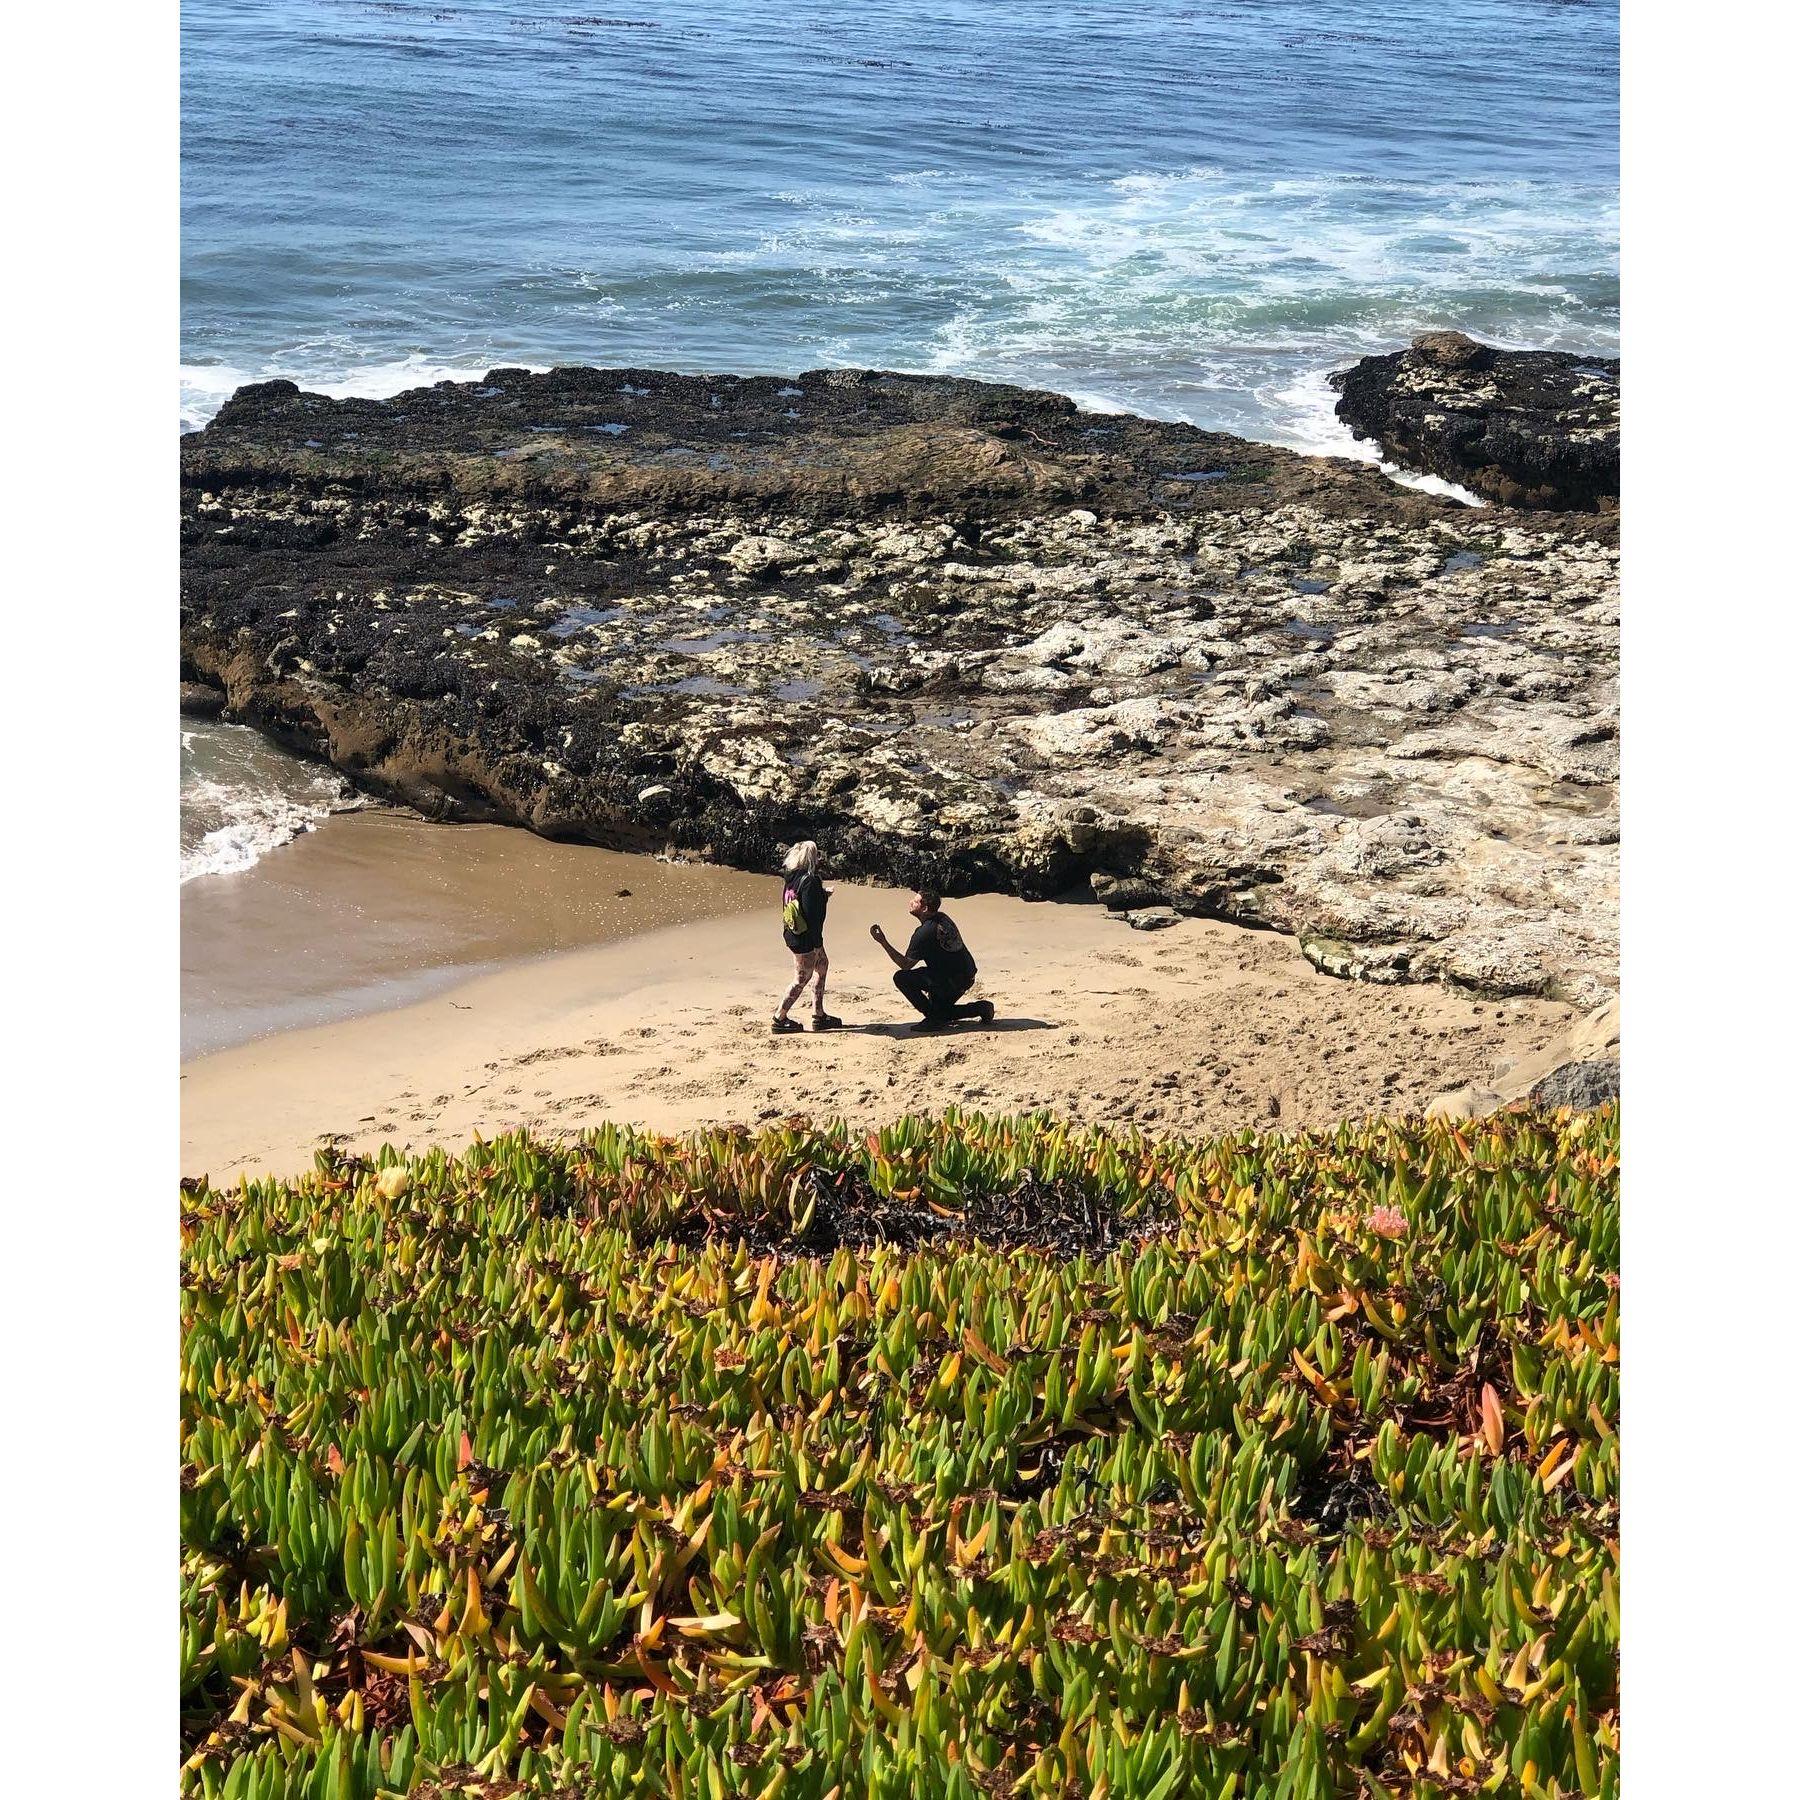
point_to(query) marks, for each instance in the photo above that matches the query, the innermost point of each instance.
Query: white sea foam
(205, 387)
(256, 824)
(1090, 402)
(1206, 295)
(1431, 484)
(1313, 238)
(241, 797)
(1310, 407)
(1223, 302)
(1309, 422)
(1200, 294)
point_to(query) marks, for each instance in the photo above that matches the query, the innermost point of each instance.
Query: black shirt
(803, 903)
(939, 946)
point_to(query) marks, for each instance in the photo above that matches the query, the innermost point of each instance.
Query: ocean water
(241, 797)
(1194, 210)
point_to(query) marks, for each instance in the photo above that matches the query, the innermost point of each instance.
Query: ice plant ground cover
(977, 1456)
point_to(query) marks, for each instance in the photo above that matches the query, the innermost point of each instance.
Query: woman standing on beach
(803, 902)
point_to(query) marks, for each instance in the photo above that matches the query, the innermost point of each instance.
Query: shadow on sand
(958, 1028)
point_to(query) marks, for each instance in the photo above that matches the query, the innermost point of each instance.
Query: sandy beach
(1202, 1026)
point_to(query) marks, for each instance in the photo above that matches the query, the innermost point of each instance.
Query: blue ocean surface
(1190, 210)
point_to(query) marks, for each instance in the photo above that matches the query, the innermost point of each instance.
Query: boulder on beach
(1581, 1085)
(1578, 1068)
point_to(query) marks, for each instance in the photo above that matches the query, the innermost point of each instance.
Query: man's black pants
(933, 1001)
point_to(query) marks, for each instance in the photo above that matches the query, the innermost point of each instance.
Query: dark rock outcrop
(1535, 428)
(954, 631)
(834, 440)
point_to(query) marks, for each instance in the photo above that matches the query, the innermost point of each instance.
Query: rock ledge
(954, 631)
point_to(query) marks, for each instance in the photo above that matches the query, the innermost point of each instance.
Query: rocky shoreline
(955, 631)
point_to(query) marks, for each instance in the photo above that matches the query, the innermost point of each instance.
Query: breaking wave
(241, 798)
(1189, 212)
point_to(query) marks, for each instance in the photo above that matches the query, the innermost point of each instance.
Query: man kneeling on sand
(937, 969)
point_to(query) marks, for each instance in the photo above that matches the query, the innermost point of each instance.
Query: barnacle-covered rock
(1537, 428)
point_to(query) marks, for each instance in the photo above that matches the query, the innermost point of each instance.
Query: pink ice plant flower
(1386, 1221)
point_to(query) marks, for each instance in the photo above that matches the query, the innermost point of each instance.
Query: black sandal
(782, 1027)
(824, 1021)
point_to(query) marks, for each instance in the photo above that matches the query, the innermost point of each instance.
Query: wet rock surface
(201, 701)
(955, 631)
(1528, 428)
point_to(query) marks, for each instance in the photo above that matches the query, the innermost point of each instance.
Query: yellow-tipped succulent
(976, 1456)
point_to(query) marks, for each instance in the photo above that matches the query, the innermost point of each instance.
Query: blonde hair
(803, 859)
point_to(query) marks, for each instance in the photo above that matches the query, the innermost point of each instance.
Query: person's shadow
(903, 1028)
